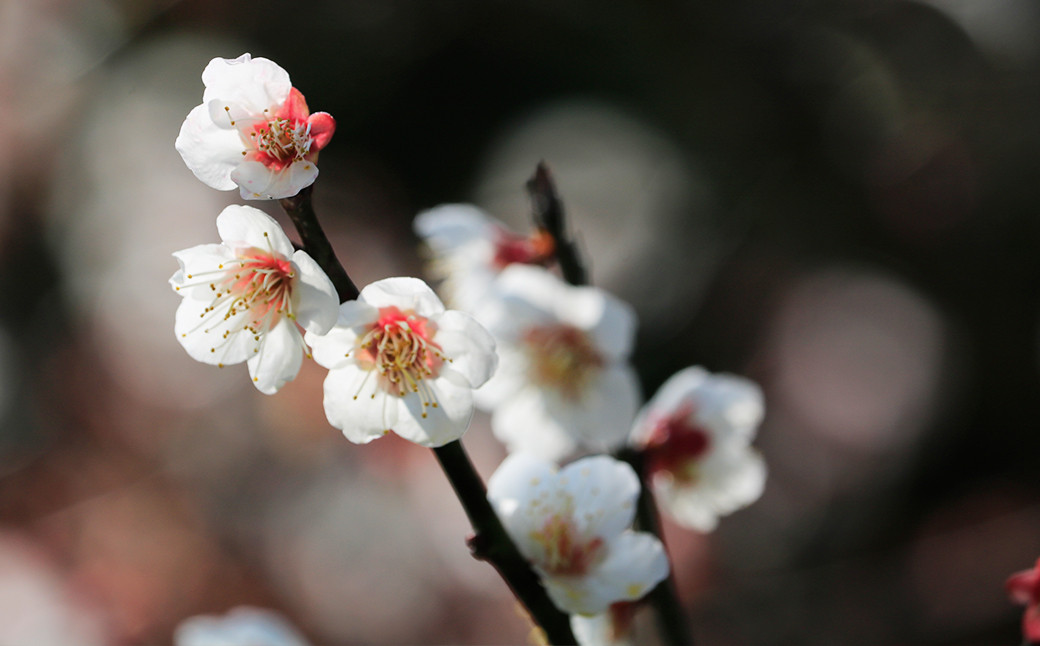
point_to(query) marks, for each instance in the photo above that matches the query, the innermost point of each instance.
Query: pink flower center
(399, 347)
(280, 142)
(250, 295)
(562, 357)
(674, 447)
(288, 135)
(510, 248)
(566, 553)
(260, 283)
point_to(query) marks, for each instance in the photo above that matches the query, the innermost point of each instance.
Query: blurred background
(837, 199)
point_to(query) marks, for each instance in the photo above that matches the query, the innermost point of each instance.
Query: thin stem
(664, 597)
(300, 210)
(548, 215)
(491, 543)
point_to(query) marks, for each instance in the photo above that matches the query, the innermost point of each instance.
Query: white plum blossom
(244, 297)
(572, 525)
(563, 382)
(242, 626)
(398, 360)
(695, 434)
(253, 130)
(470, 249)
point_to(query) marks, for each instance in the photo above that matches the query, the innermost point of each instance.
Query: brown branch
(300, 210)
(490, 542)
(548, 215)
(671, 619)
(547, 211)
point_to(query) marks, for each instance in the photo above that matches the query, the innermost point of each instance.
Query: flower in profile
(563, 381)
(470, 248)
(695, 435)
(242, 626)
(1024, 589)
(398, 360)
(572, 525)
(244, 297)
(253, 130)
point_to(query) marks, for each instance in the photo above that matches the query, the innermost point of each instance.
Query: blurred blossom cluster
(835, 201)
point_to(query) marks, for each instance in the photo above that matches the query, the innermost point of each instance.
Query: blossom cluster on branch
(563, 517)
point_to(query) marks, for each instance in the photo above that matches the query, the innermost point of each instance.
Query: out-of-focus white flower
(242, 626)
(563, 381)
(572, 525)
(399, 361)
(611, 628)
(695, 435)
(470, 248)
(253, 130)
(244, 296)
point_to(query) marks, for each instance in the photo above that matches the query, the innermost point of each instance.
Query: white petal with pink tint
(404, 293)
(245, 226)
(253, 130)
(211, 152)
(441, 423)
(279, 359)
(242, 298)
(470, 248)
(355, 405)
(540, 421)
(635, 563)
(564, 382)
(572, 525)
(245, 80)
(729, 479)
(695, 435)
(317, 309)
(399, 361)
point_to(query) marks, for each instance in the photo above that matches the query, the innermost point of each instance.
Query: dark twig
(664, 597)
(301, 211)
(490, 542)
(548, 215)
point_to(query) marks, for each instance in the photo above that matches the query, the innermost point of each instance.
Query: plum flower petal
(634, 565)
(243, 298)
(572, 525)
(398, 360)
(563, 381)
(470, 249)
(253, 130)
(695, 435)
(242, 626)
(1024, 588)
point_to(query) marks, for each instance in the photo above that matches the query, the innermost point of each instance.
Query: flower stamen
(563, 358)
(399, 350)
(566, 553)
